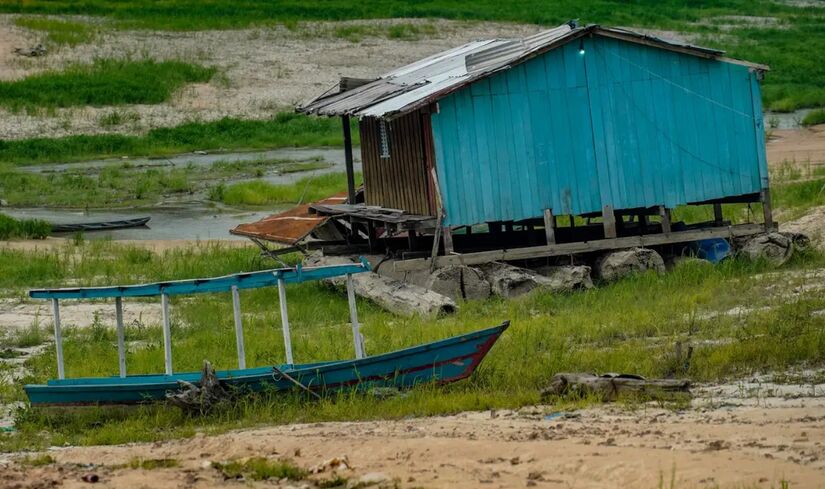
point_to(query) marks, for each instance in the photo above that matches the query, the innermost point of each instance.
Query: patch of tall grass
(307, 189)
(286, 129)
(58, 31)
(104, 82)
(814, 117)
(23, 228)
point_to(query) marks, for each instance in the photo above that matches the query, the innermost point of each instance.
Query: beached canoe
(100, 226)
(442, 361)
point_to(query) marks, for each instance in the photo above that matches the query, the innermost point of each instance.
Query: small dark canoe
(441, 361)
(100, 226)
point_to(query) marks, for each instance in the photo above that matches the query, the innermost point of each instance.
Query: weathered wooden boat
(441, 361)
(100, 226)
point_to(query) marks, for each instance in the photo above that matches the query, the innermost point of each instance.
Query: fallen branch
(608, 387)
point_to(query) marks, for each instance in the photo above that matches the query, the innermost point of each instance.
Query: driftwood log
(393, 295)
(609, 387)
(199, 398)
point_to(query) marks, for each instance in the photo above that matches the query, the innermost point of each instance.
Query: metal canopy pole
(121, 347)
(284, 319)
(167, 333)
(353, 315)
(58, 339)
(236, 306)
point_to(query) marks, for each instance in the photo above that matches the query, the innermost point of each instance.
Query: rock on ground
(773, 247)
(459, 282)
(567, 277)
(617, 264)
(811, 224)
(510, 281)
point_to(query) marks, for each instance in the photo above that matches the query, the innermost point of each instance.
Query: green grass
(284, 130)
(22, 228)
(581, 331)
(38, 460)
(104, 82)
(126, 185)
(152, 463)
(307, 189)
(792, 47)
(59, 32)
(814, 117)
(260, 469)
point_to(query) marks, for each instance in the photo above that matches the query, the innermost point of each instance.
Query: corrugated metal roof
(288, 227)
(417, 84)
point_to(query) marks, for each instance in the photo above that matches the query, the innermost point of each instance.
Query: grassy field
(125, 185)
(59, 32)
(283, 130)
(105, 82)
(307, 189)
(790, 40)
(590, 330)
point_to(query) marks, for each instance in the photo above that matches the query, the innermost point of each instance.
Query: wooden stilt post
(549, 226)
(236, 308)
(167, 333)
(348, 160)
(767, 210)
(121, 336)
(664, 213)
(58, 339)
(285, 319)
(609, 221)
(448, 240)
(353, 315)
(717, 214)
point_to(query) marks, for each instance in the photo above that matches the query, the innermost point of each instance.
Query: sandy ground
(264, 70)
(742, 435)
(802, 148)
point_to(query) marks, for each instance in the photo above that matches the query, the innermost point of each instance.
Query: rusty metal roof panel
(417, 84)
(288, 227)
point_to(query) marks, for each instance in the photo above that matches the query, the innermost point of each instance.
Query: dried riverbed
(751, 434)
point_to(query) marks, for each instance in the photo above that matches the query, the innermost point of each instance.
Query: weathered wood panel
(399, 181)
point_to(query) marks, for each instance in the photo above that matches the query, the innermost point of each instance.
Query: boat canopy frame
(228, 283)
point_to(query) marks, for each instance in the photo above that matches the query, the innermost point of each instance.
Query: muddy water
(185, 222)
(184, 216)
(785, 120)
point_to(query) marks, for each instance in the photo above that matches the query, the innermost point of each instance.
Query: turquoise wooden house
(574, 121)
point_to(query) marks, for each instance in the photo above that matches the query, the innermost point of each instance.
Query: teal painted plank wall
(623, 124)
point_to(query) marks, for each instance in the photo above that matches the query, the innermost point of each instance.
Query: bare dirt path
(743, 435)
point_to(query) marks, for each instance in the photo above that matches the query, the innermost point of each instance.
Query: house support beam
(549, 226)
(609, 220)
(717, 214)
(664, 214)
(767, 210)
(348, 159)
(578, 247)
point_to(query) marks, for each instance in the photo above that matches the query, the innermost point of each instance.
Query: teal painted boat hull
(442, 361)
